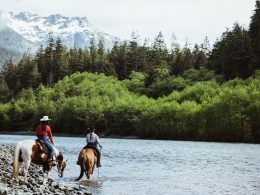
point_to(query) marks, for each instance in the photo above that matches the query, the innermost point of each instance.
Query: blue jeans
(48, 145)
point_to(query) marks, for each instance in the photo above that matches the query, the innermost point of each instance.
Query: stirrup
(52, 162)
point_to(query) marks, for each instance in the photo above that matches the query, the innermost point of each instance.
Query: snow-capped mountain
(73, 31)
(25, 31)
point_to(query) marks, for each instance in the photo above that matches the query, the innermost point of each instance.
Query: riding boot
(98, 162)
(51, 161)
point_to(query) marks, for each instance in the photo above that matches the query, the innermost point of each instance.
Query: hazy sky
(188, 19)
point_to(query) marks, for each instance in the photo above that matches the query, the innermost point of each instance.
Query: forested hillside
(5, 54)
(198, 93)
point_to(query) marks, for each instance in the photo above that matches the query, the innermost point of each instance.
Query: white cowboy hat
(45, 118)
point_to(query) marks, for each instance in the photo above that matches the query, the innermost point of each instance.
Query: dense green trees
(254, 33)
(204, 111)
(141, 89)
(231, 54)
(237, 52)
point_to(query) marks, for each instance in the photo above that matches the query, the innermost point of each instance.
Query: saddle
(42, 146)
(92, 147)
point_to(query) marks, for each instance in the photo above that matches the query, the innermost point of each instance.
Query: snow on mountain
(73, 31)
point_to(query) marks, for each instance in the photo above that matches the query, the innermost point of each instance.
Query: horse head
(61, 164)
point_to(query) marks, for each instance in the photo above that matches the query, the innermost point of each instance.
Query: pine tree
(27, 72)
(254, 33)
(199, 57)
(175, 61)
(205, 46)
(93, 56)
(47, 68)
(133, 62)
(230, 55)
(174, 44)
(9, 73)
(118, 58)
(39, 59)
(5, 93)
(60, 62)
(102, 61)
(159, 53)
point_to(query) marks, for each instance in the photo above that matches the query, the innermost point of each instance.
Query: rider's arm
(87, 138)
(98, 142)
(50, 134)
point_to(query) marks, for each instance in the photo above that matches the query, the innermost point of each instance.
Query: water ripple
(163, 167)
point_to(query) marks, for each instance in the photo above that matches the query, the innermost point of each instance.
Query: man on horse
(93, 142)
(44, 134)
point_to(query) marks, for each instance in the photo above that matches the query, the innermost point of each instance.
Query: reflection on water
(92, 183)
(162, 167)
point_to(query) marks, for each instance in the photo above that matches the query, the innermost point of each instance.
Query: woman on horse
(93, 142)
(44, 134)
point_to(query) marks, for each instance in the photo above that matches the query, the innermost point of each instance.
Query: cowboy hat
(91, 128)
(45, 118)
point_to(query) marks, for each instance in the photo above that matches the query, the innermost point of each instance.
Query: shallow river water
(162, 167)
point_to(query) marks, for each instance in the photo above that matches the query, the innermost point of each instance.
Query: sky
(189, 20)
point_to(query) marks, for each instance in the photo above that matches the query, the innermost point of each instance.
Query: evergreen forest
(203, 92)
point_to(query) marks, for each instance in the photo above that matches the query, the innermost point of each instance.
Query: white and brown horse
(28, 151)
(87, 161)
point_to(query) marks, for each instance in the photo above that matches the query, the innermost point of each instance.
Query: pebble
(35, 179)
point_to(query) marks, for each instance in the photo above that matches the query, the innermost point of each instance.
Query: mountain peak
(73, 31)
(25, 16)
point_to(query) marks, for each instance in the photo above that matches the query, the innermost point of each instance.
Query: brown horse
(28, 151)
(87, 161)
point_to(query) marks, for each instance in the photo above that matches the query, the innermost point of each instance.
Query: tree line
(206, 110)
(179, 93)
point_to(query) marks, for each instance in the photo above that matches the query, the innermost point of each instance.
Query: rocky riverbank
(35, 183)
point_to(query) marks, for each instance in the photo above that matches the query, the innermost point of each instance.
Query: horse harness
(41, 146)
(91, 146)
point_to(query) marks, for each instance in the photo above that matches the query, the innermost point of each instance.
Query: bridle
(59, 162)
(59, 167)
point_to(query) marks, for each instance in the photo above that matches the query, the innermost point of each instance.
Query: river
(152, 167)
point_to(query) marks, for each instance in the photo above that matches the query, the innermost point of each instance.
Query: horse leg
(88, 174)
(88, 171)
(93, 167)
(88, 168)
(20, 165)
(26, 167)
(45, 177)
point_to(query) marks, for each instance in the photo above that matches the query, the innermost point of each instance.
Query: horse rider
(93, 142)
(44, 134)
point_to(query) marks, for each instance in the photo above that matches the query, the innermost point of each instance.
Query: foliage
(230, 55)
(140, 90)
(205, 110)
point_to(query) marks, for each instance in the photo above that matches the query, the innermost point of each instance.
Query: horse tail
(82, 168)
(16, 159)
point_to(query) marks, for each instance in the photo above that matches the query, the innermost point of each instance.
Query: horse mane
(58, 153)
(61, 156)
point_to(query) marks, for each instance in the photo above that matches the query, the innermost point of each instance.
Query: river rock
(35, 179)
